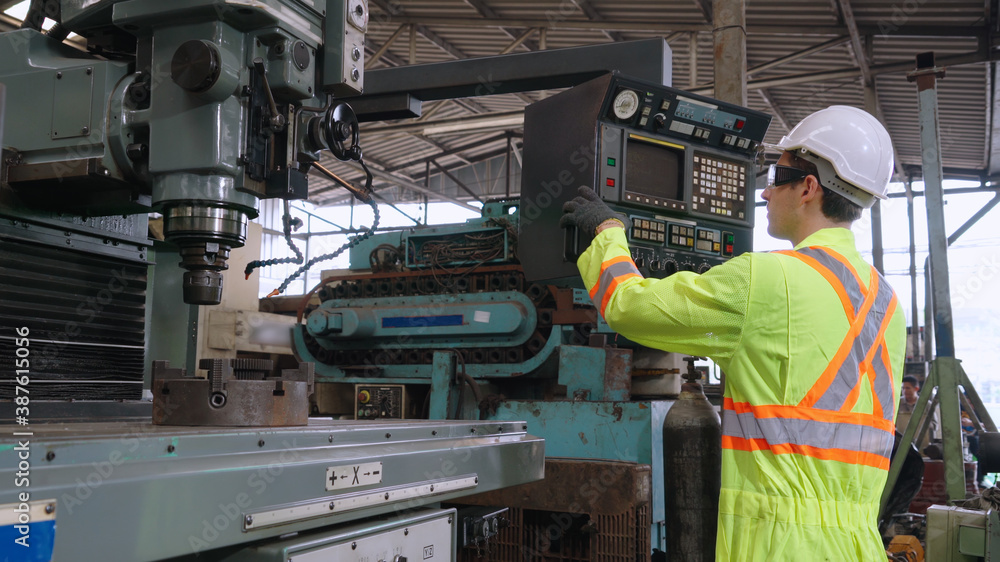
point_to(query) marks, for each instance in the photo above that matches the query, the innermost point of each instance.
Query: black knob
(704, 267)
(654, 265)
(136, 151)
(660, 120)
(196, 65)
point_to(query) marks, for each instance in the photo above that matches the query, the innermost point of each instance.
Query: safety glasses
(780, 175)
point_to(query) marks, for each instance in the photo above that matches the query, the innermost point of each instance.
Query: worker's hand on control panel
(587, 212)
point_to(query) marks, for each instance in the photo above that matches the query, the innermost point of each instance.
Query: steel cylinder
(692, 468)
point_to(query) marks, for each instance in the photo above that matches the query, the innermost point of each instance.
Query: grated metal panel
(86, 318)
(543, 536)
(561, 518)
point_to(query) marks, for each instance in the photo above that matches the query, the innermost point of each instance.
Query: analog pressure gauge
(358, 12)
(626, 104)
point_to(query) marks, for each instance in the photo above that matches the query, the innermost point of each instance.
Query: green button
(611, 161)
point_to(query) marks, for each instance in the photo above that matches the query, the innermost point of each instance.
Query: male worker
(911, 391)
(811, 340)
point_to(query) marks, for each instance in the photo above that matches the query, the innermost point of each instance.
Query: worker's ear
(809, 189)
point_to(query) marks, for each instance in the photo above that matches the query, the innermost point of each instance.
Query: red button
(611, 182)
(740, 123)
(729, 249)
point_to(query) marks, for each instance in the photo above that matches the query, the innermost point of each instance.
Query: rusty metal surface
(230, 396)
(590, 486)
(567, 311)
(617, 373)
(583, 511)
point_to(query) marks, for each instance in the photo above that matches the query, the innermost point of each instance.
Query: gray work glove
(587, 211)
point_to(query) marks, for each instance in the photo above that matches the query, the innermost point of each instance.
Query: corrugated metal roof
(897, 30)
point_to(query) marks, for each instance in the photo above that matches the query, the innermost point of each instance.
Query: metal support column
(914, 310)
(693, 61)
(928, 313)
(507, 161)
(946, 372)
(877, 250)
(872, 107)
(730, 37)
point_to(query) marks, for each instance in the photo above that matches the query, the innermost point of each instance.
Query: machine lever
(277, 119)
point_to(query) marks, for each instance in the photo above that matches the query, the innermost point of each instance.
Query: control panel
(384, 401)
(680, 165)
(720, 187)
(662, 246)
(678, 114)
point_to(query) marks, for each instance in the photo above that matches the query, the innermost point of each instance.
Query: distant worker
(911, 392)
(811, 340)
(907, 402)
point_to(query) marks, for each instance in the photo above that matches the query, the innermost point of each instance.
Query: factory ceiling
(801, 56)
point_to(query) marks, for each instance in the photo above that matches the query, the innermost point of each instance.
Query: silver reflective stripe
(811, 433)
(854, 290)
(848, 373)
(883, 385)
(608, 276)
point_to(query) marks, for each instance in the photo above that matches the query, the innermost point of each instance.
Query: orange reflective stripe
(850, 457)
(888, 366)
(864, 371)
(843, 260)
(612, 287)
(807, 413)
(606, 265)
(741, 444)
(877, 409)
(867, 371)
(613, 272)
(831, 371)
(829, 276)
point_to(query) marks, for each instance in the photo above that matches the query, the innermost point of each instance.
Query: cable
(377, 265)
(476, 392)
(299, 258)
(349, 244)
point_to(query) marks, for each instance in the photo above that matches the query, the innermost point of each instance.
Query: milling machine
(195, 110)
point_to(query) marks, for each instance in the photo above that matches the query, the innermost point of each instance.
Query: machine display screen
(654, 170)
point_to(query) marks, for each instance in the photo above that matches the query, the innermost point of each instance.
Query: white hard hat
(851, 149)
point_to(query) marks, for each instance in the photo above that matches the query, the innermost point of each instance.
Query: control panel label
(353, 475)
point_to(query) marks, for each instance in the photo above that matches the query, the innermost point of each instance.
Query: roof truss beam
(591, 12)
(661, 28)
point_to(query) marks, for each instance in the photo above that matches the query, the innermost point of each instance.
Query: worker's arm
(685, 313)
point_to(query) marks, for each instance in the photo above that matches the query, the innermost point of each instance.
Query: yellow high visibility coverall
(813, 354)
